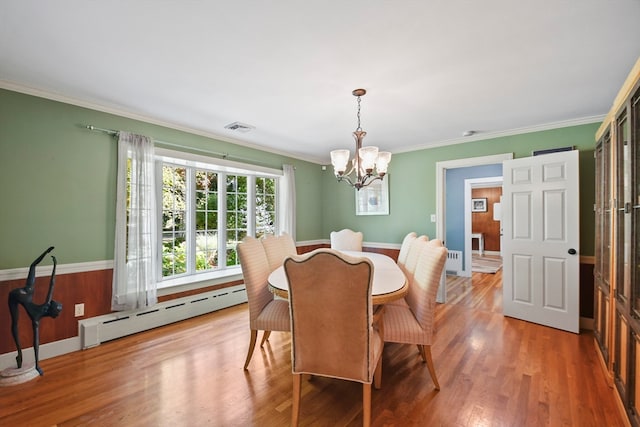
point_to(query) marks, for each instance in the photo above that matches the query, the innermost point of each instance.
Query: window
(265, 206)
(207, 208)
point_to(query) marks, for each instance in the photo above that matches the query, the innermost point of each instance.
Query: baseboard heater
(104, 328)
(454, 262)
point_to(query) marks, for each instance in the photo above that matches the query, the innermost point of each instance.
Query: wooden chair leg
(366, 405)
(421, 351)
(295, 405)
(377, 375)
(432, 370)
(265, 337)
(252, 345)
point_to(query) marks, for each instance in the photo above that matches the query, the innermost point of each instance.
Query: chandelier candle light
(364, 159)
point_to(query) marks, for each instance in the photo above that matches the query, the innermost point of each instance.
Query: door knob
(572, 251)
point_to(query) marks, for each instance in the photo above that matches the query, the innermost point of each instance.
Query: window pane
(232, 222)
(174, 259)
(265, 206)
(206, 250)
(212, 220)
(173, 220)
(242, 184)
(236, 215)
(206, 225)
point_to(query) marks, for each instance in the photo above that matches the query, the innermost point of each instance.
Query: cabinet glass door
(607, 214)
(623, 211)
(635, 199)
(602, 253)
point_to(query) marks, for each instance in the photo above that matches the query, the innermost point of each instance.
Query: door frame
(470, 184)
(441, 197)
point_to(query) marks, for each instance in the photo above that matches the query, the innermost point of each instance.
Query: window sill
(200, 280)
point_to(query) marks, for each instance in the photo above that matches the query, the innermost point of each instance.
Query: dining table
(389, 282)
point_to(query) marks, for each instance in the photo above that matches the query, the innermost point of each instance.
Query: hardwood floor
(494, 371)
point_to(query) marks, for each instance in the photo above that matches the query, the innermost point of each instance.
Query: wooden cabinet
(617, 251)
(603, 245)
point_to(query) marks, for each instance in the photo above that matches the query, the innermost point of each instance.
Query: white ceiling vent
(240, 127)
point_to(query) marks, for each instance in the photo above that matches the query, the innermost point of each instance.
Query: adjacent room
(343, 213)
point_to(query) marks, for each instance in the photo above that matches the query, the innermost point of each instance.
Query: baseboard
(586, 323)
(93, 331)
(605, 369)
(621, 408)
(115, 325)
(47, 351)
(491, 253)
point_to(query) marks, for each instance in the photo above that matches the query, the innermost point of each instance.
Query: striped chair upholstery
(413, 322)
(278, 248)
(346, 240)
(334, 332)
(265, 312)
(404, 248)
(412, 256)
(409, 253)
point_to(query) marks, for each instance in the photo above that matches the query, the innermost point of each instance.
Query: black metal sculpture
(24, 297)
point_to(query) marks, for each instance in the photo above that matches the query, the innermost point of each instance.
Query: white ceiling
(432, 69)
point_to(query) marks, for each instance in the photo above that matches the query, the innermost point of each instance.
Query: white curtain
(288, 201)
(136, 261)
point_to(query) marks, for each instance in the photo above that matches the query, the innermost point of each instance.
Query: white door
(540, 214)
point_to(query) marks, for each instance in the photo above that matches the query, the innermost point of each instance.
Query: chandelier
(364, 160)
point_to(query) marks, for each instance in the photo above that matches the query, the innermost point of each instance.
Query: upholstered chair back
(255, 271)
(331, 315)
(346, 240)
(413, 254)
(421, 297)
(404, 248)
(278, 248)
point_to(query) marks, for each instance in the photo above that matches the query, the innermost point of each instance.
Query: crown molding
(510, 132)
(15, 87)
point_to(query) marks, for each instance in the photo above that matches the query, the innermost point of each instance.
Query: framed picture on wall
(479, 205)
(374, 198)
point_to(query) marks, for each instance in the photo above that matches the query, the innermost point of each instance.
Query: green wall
(412, 185)
(58, 179)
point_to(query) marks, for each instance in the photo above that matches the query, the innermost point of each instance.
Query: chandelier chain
(358, 128)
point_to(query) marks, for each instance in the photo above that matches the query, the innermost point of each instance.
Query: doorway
(482, 223)
(441, 197)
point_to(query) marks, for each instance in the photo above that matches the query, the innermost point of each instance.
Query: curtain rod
(224, 156)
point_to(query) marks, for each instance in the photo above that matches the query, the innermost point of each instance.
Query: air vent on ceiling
(240, 127)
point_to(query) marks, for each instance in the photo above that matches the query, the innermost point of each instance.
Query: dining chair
(404, 247)
(334, 332)
(278, 248)
(412, 323)
(346, 240)
(408, 258)
(265, 312)
(413, 253)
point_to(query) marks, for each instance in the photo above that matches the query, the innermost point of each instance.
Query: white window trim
(222, 167)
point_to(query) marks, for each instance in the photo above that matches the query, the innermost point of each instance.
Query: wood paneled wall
(92, 288)
(483, 222)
